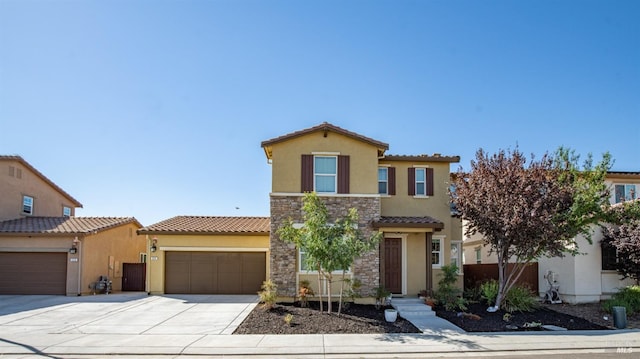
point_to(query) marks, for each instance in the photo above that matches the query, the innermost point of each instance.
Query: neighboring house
(589, 277)
(27, 192)
(65, 255)
(404, 197)
(44, 249)
(207, 255)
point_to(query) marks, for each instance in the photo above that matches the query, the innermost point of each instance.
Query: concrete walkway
(169, 326)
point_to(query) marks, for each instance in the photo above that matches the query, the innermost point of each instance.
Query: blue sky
(157, 108)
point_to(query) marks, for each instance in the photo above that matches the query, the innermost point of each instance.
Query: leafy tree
(623, 233)
(328, 247)
(527, 210)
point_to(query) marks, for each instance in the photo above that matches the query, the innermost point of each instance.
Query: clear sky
(154, 109)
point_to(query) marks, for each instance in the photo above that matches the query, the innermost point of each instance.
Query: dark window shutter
(429, 184)
(306, 180)
(343, 174)
(391, 173)
(411, 183)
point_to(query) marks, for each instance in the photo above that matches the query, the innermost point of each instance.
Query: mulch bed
(483, 321)
(356, 319)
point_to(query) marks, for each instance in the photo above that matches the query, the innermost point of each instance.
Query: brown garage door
(33, 273)
(214, 272)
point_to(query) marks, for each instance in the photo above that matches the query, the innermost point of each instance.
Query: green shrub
(520, 299)
(268, 294)
(489, 291)
(448, 294)
(628, 297)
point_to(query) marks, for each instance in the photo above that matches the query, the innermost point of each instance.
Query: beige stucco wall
(47, 201)
(286, 163)
(208, 243)
(104, 253)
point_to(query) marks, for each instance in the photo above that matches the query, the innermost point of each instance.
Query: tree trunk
(320, 289)
(329, 279)
(341, 290)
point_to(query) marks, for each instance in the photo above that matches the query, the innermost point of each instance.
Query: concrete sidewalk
(168, 326)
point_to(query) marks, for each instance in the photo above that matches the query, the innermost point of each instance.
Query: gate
(133, 277)
(475, 274)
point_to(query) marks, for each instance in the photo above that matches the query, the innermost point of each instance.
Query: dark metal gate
(133, 277)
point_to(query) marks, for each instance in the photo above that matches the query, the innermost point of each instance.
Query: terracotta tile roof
(411, 222)
(209, 224)
(623, 174)
(436, 157)
(63, 225)
(43, 177)
(325, 126)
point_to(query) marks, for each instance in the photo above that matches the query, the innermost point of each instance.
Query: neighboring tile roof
(63, 225)
(411, 222)
(43, 177)
(209, 225)
(436, 157)
(327, 127)
(623, 174)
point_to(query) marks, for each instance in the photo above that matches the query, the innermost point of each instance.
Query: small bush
(448, 294)
(628, 297)
(489, 292)
(304, 293)
(268, 294)
(288, 319)
(520, 299)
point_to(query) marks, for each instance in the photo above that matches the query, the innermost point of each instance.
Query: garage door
(33, 273)
(214, 272)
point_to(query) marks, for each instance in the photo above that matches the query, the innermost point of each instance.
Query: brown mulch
(593, 312)
(356, 319)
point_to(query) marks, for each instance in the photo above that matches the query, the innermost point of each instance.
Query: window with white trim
(325, 173)
(421, 182)
(478, 256)
(143, 258)
(456, 255)
(625, 192)
(27, 205)
(436, 252)
(383, 180)
(66, 211)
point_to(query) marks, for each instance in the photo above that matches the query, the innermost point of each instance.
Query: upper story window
(66, 211)
(625, 192)
(325, 173)
(420, 181)
(383, 180)
(27, 205)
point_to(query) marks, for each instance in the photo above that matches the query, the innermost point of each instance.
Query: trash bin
(619, 317)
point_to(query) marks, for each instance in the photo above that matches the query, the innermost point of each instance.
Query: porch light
(73, 250)
(153, 244)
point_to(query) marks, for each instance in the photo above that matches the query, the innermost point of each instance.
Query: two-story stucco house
(404, 197)
(44, 249)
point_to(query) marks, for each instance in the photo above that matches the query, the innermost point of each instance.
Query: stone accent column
(284, 255)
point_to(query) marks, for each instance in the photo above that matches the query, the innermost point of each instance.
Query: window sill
(421, 197)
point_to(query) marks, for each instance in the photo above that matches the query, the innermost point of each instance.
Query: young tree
(525, 211)
(623, 233)
(328, 247)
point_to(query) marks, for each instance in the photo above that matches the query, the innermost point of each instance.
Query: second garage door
(33, 273)
(214, 272)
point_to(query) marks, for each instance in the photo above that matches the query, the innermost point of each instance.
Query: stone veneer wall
(284, 255)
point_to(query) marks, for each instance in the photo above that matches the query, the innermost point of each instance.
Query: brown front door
(133, 277)
(393, 265)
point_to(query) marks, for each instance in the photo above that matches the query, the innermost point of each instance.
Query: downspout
(78, 243)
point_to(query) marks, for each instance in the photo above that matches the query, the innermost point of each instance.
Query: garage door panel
(33, 273)
(217, 272)
(177, 279)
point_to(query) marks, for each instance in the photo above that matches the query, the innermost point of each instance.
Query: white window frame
(334, 175)
(386, 191)
(143, 257)
(66, 211)
(458, 245)
(478, 253)
(423, 182)
(26, 199)
(627, 187)
(440, 240)
(314, 271)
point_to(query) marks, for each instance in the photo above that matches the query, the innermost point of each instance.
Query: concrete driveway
(128, 313)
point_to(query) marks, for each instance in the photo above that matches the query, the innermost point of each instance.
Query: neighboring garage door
(214, 272)
(33, 273)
